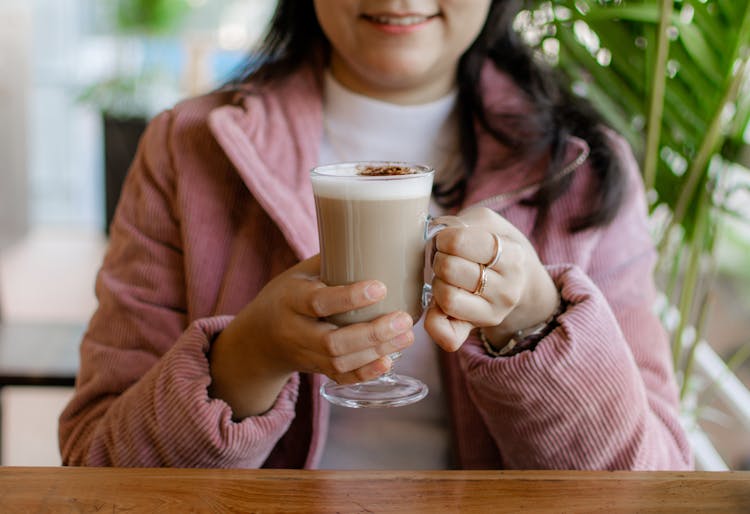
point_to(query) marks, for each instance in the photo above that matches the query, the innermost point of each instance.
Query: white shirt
(357, 127)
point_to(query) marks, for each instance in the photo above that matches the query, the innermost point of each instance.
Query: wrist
(249, 386)
(509, 344)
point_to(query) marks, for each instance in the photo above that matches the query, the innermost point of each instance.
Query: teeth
(404, 20)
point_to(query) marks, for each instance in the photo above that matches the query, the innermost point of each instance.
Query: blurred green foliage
(150, 16)
(672, 76)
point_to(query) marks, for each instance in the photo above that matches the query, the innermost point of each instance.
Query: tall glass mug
(373, 224)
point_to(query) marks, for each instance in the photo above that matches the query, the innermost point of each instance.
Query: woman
(208, 346)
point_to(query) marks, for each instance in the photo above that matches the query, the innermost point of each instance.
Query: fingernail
(401, 322)
(375, 291)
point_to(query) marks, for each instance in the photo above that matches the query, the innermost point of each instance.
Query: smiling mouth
(398, 21)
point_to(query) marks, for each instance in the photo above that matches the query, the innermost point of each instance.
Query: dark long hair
(294, 37)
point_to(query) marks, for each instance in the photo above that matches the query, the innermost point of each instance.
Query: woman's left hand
(518, 292)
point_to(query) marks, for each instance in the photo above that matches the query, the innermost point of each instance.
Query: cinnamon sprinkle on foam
(385, 171)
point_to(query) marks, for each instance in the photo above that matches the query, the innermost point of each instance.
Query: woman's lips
(398, 23)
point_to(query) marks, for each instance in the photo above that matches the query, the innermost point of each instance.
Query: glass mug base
(387, 391)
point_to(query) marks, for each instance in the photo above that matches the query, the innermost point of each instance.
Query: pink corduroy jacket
(218, 202)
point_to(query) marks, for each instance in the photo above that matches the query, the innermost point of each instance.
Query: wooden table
(42, 490)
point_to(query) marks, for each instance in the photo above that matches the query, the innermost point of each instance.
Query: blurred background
(69, 64)
(79, 79)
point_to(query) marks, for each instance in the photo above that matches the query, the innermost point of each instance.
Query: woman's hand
(282, 331)
(518, 291)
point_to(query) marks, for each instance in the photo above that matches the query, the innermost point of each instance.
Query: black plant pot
(121, 136)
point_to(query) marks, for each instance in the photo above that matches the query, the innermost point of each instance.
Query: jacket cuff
(582, 376)
(208, 436)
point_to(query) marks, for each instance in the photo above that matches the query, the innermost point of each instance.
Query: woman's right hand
(283, 331)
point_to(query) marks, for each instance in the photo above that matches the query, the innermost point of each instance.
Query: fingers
(361, 336)
(466, 293)
(461, 304)
(308, 296)
(449, 333)
(319, 301)
(359, 362)
(458, 271)
(475, 240)
(370, 371)
(492, 221)
(474, 244)
(351, 352)
(463, 270)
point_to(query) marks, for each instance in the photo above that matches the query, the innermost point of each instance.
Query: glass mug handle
(432, 227)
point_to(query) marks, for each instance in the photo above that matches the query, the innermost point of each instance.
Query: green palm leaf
(681, 68)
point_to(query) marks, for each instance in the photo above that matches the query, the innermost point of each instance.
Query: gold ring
(482, 282)
(498, 251)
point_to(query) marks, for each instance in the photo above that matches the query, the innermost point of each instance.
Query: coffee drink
(371, 222)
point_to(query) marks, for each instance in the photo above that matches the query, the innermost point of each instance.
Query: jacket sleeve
(599, 391)
(141, 393)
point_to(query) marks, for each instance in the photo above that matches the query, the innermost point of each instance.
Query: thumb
(449, 333)
(309, 266)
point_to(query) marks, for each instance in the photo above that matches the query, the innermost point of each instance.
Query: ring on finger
(498, 250)
(482, 282)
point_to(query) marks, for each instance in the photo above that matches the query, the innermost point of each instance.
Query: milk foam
(345, 183)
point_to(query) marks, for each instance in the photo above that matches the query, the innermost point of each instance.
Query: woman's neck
(395, 93)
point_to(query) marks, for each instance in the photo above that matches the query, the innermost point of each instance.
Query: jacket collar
(272, 138)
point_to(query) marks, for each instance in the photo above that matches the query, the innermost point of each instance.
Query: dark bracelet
(525, 339)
